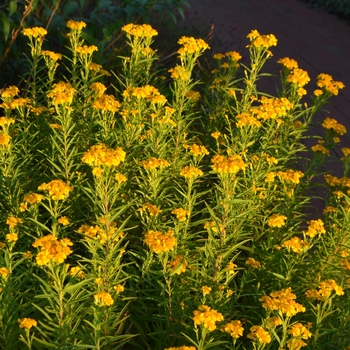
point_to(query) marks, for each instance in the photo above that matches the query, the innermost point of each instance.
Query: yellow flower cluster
(19, 102)
(261, 41)
(300, 331)
(258, 333)
(57, 189)
(4, 139)
(6, 121)
(103, 299)
(274, 321)
(190, 172)
(288, 63)
(63, 220)
(315, 227)
(207, 317)
(52, 55)
(86, 50)
(140, 31)
(52, 249)
(99, 234)
(35, 32)
(77, 271)
(178, 265)
(181, 214)
(284, 301)
(27, 323)
(197, 150)
(253, 263)
(295, 344)
(148, 92)
(334, 181)
(11, 237)
(62, 93)
(324, 291)
(244, 119)
(298, 77)
(320, 148)
(332, 124)
(154, 163)
(272, 108)
(101, 155)
(74, 25)
(30, 198)
(296, 244)
(191, 45)
(326, 82)
(288, 175)
(228, 165)
(234, 329)
(98, 88)
(179, 73)
(151, 208)
(12, 221)
(214, 227)
(159, 242)
(4, 271)
(206, 290)
(104, 102)
(277, 220)
(10, 92)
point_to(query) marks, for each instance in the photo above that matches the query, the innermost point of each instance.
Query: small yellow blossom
(57, 189)
(140, 31)
(207, 317)
(300, 331)
(181, 214)
(63, 220)
(103, 299)
(119, 288)
(27, 323)
(12, 221)
(12, 237)
(234, 329)
(315, 227)
(159, 242)
(4, 271)
(258, 333)
(74, 25)
(253, 263)
(277, 220)
(178, 265)
(35, 32)
(206, 290)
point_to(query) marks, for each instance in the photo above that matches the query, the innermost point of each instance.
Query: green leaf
(5, 25)
(12, 7)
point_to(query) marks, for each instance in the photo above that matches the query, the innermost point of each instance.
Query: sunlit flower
(103, 299)
(57, 189)
(74, 25)
(207, 317)
(140, 31)
(101, 155)
(253, 263)
(234, 329)
(63, 220)
(277, 220)
(178, 265)
(181, 214)
(258, 333)
(35, 32)
(12, 237)
(189, 172)
(12, 221)
(159, 242)
(315, 227)
(4, 271)
(119, 288)
(300, 331)
(206, 290)
(27, 323)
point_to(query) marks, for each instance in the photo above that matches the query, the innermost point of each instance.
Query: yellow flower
(140, 31)
(332, 124)
(326, 82)
(253, 263)
(154, 163)
(300, 331)
(86, 50)
(315, 227)
(120, 178)
(206, 290)
(258, 333)
(288, 63)
(63, 220)
(197, 150)
(35, 32)
(296, 244)
(12, 237)
(179, 264)
(216, 135)
(99, 88)
(191, 45)
(181, 214)
(277, 220)
(119, 288)
(298, 77)
(74, 25)
(228, 165)
(4, 271)
(159, 242)
(152, 209)
(4, 139)
(183, 347)
(234, 329)
(62, 93)
(10, 92)
(275, 321)
(52, 55)
(77, 271)
(189, 172)
(106, 103)
(13, 221)
(99, 155)
(261, 41)
(27, 323)
(179, 73)
(245, 119)
(57, 189)
(103, 299)
(207, 317)
(99, 281)
(233, 55)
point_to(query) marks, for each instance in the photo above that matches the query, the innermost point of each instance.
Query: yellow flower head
(57, 189)
(13, 221)
(74, 25)
(181, 214)
(62, 93)
(10, 92)
(35, 32)
(234, 329)
(191, 45)
(159, 242)
(103, 299)
(179, 264)
(258, 333)
(190, 172)
(326, 82)
(298, 77)
(300, 331)
(104, 102)
(332, 124)
(52, 55)
(288, 63)
(4, 271)
(253, 263)
(261, 41)
(27, 323)
(277, 220)
(315, 227)
(140, 30)
(101, 155)
(12, 237)
(228, 165)
(207, 317)
(206, 290)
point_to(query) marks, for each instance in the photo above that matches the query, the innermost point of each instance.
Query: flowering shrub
(168, 217)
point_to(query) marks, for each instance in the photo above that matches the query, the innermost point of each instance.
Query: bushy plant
(165, 213)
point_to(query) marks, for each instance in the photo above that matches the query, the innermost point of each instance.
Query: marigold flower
(320, 148)
(154, 163)
(10, 92)
(4, 139)
(298, 77)
(86, 50)
(300, 331)
(62, 93)
(27, 323)
(253, 263)
(191, 45)
(106, 103)
(234, 329)
(296, 244)
(99, 88)
(77, 271)
(139, 31)
(326, 82)
(261, 41)
(315, 227)
(4, 271)
(295, 344)
(206, 290)
(271, 108)
(258, 333)
(332, 124)
(103, 299)
(63, 220)
(207, 317)
(183, 347)
(12, 221)
(324, 291)
(159, 242)
(52, 55)
(189, 172)
(275, 321)
(35, 32)
(179, 73)
(119, 288)
(52, 249)
(216, 135)
(120, 178)
(288, 63)
(101, 155)
(197, 150)
(284, 301)
(228, 165)
(233, 55)
(12, 237)
(181, 214)
(74, 25)
(179, 264)
(151, 208)
(57, 189)
(246, 119)
(277, 220)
